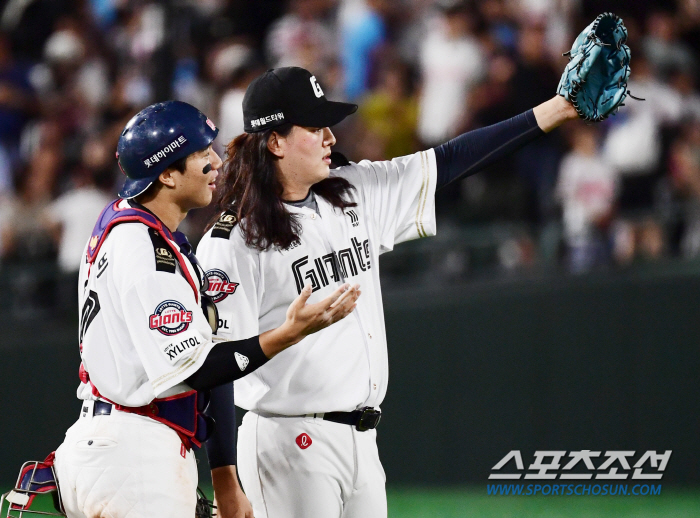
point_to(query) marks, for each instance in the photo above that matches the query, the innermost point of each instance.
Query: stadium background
(556, 308)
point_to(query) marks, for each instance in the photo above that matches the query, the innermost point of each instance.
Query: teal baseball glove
(595, 79)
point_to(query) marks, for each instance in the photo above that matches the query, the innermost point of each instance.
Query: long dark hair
(251, 188)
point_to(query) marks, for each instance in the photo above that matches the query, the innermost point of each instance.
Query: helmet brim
(133, 188)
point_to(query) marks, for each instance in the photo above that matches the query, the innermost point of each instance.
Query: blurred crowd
(72, 73)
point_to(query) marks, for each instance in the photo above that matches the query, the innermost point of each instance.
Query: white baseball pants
(296, 467)
(119, 465)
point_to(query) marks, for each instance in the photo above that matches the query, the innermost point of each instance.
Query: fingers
(346, 306)
(328, 301)
(351, 291)
(340, 312)
(303, 296)
(332, 308)
(311, 318)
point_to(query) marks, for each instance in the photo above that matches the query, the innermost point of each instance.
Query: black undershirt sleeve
(475, 150)
(221, 365)
(221, 446)
(217, 374)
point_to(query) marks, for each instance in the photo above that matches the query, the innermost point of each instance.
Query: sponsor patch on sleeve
(220, 286)
(224, 225)
(179, 349)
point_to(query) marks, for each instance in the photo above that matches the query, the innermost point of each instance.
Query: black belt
(366, 418)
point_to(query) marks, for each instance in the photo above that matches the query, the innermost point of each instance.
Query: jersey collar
(182, 242)
(170, 235)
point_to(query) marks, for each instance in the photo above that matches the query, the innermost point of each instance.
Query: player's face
(306, 159)
(197, 184)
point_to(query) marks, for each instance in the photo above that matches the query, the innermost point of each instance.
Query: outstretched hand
(304, 319)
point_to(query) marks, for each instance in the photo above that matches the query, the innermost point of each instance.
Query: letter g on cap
(317, 87)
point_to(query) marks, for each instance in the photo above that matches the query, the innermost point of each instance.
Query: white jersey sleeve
(148, 333)
(233, 276)
(398, 195)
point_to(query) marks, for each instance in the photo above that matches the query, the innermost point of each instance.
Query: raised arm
(475, 150)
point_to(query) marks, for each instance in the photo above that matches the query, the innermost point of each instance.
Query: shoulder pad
(224, 225)
(165, 259)
(166, 254)
(113, 215)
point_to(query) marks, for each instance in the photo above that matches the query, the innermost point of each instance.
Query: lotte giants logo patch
(220, 286)
(303, 441)
(170, 318)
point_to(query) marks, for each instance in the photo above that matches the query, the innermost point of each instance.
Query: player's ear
(166, 177)
(276, 144)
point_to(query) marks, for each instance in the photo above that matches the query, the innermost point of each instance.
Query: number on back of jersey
(91, 308)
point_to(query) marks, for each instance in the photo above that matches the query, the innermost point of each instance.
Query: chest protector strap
(182, 412)
(112, 215)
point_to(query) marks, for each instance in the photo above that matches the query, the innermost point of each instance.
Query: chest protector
(182, 412)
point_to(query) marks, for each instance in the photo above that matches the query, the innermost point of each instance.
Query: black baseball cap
(290, 94)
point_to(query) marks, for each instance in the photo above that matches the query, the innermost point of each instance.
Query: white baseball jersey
(142, 330)
(344, 366)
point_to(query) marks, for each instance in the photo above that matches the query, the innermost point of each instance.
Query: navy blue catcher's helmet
(156, 137)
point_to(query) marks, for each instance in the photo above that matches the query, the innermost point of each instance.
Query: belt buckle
(369, 419)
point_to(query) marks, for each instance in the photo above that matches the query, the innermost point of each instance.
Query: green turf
(474, 502)
(407, 502)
